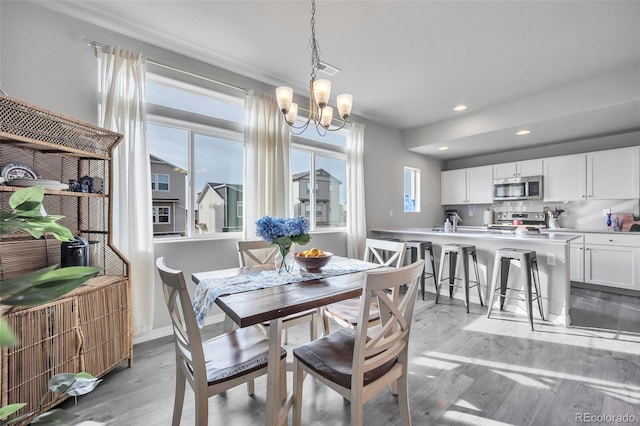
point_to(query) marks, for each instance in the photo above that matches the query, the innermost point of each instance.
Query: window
(161, 215)
(325, 207)
(196, 136)
(159, 182)
(411, 189)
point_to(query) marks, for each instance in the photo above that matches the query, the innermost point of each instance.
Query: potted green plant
(28, 215)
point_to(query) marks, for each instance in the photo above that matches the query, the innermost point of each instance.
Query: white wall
(43, 61)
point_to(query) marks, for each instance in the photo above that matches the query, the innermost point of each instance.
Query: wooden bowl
(313, 264)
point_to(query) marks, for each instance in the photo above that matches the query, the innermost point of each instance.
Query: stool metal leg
(439, 286)
(536, 283)
(475, 266)
(526, 280)
(453, 258)
(465, 277)
(433, 269)
(504, 278)
(494, 284)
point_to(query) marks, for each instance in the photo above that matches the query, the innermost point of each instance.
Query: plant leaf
(54, 418)
(73, 384)
(33, 194)
(9, 410)
(301, 239)
(6, 337)
(13, 285)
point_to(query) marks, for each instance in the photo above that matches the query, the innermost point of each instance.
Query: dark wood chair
(216, 365)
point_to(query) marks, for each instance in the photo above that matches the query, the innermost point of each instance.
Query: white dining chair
(359, 363)
(346, 313)
(216, 365)
(259, 253)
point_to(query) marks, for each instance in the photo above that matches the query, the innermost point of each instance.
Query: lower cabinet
(85, 330)
(576, 264)
(611, 260)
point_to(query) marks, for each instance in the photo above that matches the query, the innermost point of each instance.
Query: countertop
(550, 236)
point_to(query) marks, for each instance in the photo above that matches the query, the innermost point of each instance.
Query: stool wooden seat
(419, 251)
(529, 267)
(464, 251)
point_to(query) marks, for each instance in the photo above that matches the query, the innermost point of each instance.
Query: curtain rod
(98, 46)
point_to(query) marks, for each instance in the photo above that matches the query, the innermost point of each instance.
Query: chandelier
(320, 113)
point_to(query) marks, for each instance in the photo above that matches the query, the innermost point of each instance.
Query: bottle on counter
(447, 225)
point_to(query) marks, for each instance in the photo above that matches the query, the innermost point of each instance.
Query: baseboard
(158, 333)
(616, 290)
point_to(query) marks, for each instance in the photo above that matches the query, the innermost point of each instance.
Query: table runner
(209, 289)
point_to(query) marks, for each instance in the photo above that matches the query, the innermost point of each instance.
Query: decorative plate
(19, 171)
(48, 184)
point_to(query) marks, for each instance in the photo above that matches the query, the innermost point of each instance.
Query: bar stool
(464, 250)
(529, 266)
(419, 251)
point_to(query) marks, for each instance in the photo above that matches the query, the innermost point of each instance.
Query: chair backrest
(189, 351)
(384, 252)
(259, 252)
(377, 346)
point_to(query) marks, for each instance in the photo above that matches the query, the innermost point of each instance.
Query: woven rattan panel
(24, 122)
(49, 344)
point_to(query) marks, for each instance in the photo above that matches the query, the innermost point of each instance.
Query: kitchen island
(552, 250)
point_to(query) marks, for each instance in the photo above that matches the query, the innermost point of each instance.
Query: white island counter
(553, 262)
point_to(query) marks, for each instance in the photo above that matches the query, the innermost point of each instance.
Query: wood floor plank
(465, 369)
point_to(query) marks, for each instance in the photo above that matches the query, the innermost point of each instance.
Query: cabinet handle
(582, 196)
(610, 241)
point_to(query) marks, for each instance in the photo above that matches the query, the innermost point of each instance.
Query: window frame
(156, 215)
(415, 188)
(194, 124)
(314, 148)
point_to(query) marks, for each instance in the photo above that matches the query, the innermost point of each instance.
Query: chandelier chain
(315, 55)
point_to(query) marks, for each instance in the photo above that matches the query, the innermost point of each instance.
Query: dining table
(257, 294)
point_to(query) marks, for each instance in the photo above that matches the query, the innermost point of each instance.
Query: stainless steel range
(512, 220)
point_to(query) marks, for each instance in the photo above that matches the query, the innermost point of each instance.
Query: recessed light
(443, 148)
(523, 132)
(460, 108)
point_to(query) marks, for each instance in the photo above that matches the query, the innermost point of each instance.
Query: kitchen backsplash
(577, 214)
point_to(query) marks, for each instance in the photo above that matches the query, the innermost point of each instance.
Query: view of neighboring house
(329, 211)
(169, 198)
(220, 208)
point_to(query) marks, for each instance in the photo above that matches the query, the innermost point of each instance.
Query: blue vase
(608, 220)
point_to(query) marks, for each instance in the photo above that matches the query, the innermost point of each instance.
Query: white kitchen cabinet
(564, 178)
(576, 260)
(612, 260)
(613, 174)
(467, 186)
(518, 169)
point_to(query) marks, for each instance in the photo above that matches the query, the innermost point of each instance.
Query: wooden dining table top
(257, 306)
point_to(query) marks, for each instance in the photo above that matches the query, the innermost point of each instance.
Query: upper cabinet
(601, 175)
(518, 169)
(467, 186)
(564, 178)
(613, 174)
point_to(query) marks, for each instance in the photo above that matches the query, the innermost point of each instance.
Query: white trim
(158, 333)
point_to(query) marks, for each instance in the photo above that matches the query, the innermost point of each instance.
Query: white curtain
(267, 171)
(357, 218)
(122, 87)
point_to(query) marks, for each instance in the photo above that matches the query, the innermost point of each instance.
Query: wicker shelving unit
(88, 329)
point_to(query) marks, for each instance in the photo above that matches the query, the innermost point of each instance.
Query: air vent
(330, 70)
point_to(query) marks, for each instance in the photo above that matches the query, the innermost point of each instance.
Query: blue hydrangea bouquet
(283, 232)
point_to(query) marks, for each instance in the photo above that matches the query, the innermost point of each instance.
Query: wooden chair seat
(235, 354)
(332, 358)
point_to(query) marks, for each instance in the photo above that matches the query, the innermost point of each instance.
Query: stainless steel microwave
(520, 188)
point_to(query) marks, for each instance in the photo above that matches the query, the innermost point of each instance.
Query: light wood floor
(465, 370)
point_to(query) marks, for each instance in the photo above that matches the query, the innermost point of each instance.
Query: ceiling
(562, 69)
